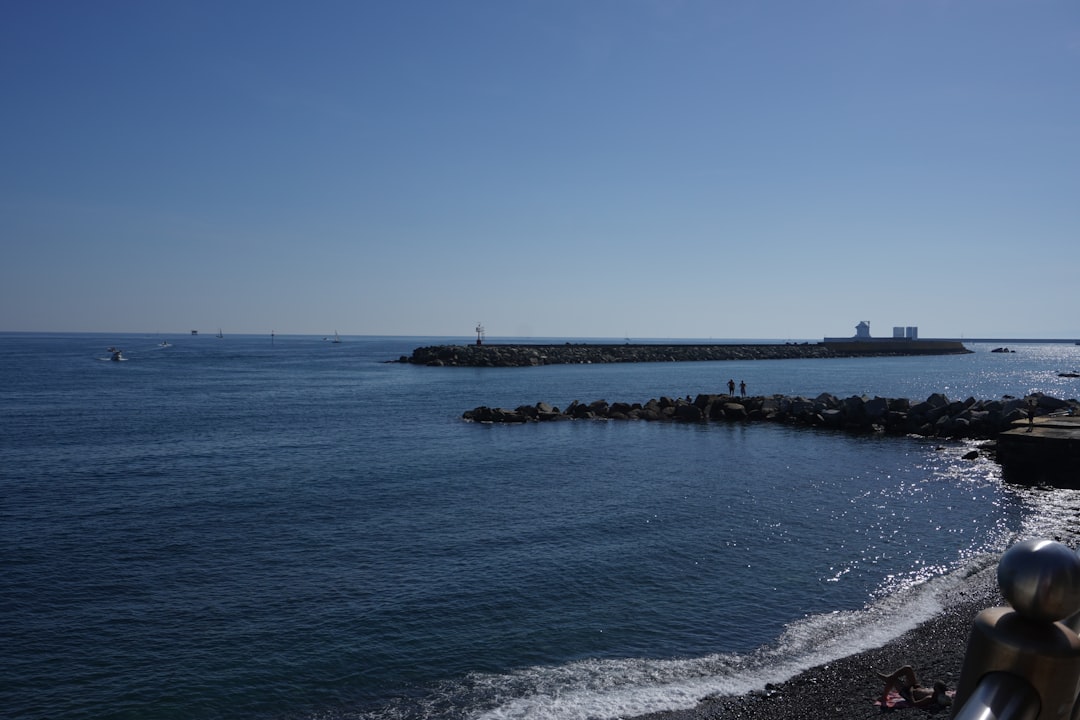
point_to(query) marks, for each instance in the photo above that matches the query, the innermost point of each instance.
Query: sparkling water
(242, 527)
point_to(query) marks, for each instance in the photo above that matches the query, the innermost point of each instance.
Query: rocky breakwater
(937, 416)
(585, 353)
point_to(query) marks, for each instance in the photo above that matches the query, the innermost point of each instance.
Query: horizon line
(495, 339)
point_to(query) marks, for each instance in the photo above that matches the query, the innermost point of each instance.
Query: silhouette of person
(730, 387)
(742, 388)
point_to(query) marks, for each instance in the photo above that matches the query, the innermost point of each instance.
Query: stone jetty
(937, 416)
(584, 353)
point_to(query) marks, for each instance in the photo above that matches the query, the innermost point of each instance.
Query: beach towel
(895, 701)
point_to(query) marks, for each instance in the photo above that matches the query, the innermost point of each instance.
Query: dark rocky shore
(586, 353)
(937, 416)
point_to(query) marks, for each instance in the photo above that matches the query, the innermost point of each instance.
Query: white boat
(336, 339)
(115, 354)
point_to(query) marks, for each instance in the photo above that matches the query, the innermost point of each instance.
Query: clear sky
(566, 168)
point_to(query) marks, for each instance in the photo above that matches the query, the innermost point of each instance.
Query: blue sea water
(239, 528)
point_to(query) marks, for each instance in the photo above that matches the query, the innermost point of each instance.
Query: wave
(607, 689)
(594, 690)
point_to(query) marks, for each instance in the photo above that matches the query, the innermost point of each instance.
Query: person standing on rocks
(730, 387)
(742, 388)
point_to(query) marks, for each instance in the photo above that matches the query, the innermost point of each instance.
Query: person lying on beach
(904, 682)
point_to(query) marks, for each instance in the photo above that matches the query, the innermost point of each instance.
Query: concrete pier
(1046, 449)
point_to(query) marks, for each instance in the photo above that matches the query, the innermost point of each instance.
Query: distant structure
(479, 334)
(194, 332)
(899, 332)
(904, 341)
(910, 332)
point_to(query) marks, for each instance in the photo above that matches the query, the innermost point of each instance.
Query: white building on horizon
(862, 332)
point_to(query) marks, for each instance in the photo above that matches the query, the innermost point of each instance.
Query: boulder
(876, 409)
(938, 400)
(689, 413)
(734, 411)
(1045, 402)
(832, 418)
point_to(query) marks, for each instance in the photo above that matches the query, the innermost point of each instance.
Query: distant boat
(115, 354)
(164, 343)
(336, 339)
(194, 332)
(219, 333)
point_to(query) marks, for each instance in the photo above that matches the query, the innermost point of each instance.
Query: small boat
(115, 354)
(1069, 375)
(164, 343)
(336, 339)
(219, 333)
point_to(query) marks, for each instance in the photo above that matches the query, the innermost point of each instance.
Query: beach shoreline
(847, 688)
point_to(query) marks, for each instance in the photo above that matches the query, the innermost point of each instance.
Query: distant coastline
(1020, 341)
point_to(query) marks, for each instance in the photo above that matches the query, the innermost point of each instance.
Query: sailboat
(219, 333)
(337, 339)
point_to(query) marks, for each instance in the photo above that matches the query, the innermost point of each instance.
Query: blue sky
(551, 168)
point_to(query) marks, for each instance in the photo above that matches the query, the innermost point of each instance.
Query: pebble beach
(847, 689)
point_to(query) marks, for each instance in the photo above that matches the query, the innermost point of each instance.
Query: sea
(286, 527)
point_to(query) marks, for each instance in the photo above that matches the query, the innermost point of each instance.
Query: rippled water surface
(234, 528)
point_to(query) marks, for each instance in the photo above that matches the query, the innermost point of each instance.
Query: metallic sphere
(1040, 579)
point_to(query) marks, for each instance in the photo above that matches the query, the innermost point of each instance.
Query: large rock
(876, 409)
(734, 411)
(689, 413)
